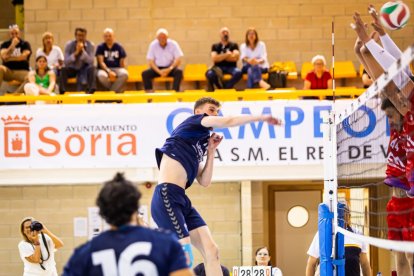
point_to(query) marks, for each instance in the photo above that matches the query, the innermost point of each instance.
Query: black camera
(36, 226)
(226, 37)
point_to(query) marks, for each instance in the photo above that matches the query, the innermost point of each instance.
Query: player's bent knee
(212, 251)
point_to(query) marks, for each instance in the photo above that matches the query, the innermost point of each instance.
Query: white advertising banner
(125, 136)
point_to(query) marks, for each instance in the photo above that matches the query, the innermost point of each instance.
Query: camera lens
(36, 226)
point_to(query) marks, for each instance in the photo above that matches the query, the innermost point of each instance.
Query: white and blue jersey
(130, 250)
(187, 144)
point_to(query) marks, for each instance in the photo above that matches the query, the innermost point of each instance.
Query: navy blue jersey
(130, 250)
(187, 144)
(112, 57)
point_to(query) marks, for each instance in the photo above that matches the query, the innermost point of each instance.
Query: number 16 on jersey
(252, 271)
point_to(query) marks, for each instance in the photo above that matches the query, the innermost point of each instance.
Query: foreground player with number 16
(179, 163)
(127, 248)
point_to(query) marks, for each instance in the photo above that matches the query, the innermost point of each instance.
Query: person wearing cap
(224, 55)
(15, 54)
(319, 77)
(356, 258)
(111, 63)
(164, 57)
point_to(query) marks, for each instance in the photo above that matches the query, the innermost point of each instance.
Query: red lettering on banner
(68, 145)
(127, 144)
(131, 143)
(94, 138)
(49, 141)
(108, 144)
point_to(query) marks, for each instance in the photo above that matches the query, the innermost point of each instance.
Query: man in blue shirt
(179, 163)
(111, 63)
(127, 248)
(79, 55)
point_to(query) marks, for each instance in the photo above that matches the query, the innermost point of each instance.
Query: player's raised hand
(272, 120)
(376, 24)
(214, 141)
(360, 28)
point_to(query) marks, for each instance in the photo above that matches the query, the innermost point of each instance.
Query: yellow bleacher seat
(72, 80)
(226, 77)
(135, 71)
(135, 74)
(264, 76)
(344, 70)
(306, 68)
(288, 66)
(195, 72)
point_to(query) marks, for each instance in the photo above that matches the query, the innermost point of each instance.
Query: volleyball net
(356, 141)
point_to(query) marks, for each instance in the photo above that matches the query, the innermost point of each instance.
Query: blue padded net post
(340, 247)
(325, 217)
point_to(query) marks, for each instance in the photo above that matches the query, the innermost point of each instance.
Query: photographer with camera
(37, 249)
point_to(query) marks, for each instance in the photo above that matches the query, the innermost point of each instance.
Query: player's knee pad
(187, 250)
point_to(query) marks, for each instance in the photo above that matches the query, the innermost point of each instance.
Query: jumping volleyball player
(400, 222)
(179, 163)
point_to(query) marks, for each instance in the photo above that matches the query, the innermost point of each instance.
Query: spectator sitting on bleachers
(79, 57)
(15, 54)
(53, 53)
(254, 58)
(225, 55)
(111, 63)
(319, 77)
(164, 57)
(42, 80)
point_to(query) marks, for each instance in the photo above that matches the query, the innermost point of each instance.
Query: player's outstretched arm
(231, 121)
(205, 173)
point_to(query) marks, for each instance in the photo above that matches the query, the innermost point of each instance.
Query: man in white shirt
(164, 57)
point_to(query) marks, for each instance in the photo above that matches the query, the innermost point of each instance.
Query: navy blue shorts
(171, 209)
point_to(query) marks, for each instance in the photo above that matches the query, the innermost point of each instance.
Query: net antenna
(355, 126)
(333, 59)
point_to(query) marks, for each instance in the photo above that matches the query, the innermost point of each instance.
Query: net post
(327, 211)
(340, 241)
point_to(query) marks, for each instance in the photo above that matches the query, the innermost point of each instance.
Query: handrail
(251, 95)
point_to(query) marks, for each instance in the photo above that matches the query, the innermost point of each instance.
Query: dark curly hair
(118, 200)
